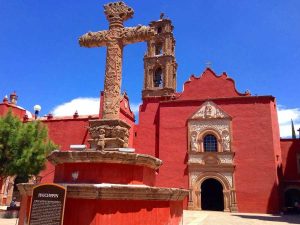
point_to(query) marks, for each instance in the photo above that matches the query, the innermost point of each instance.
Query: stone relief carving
(209, 110)
(194, 144)
(193, 176)
(229, 178)
(115, 38)
(196, 159)
(221, 126)
(226, 159)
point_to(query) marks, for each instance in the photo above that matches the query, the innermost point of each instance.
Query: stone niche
(218, 165)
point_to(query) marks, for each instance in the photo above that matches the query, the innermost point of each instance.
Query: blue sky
(256, 42)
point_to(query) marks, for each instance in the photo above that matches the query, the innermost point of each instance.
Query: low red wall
(105, 173)
(122, 212)
(112, 212)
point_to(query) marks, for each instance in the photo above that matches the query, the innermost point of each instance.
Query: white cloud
(84, 106)
(284, 117)
(135, 108)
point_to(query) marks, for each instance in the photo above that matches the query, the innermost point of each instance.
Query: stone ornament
(209, 118)
(221, 127)
(210, 110)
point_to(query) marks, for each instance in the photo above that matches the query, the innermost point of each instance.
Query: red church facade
(221, 145)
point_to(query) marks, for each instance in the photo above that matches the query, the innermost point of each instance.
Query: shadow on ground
(292, 219)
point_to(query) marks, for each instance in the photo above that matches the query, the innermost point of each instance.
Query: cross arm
(93, 39)
(137, 34)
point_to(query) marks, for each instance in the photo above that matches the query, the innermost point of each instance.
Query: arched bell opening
(157, 78)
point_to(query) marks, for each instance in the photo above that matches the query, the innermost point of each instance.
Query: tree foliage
(23, 146)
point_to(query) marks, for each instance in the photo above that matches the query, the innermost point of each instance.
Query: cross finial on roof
(161, 15)
(208, 64)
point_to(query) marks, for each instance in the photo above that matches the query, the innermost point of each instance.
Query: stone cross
(115, 39)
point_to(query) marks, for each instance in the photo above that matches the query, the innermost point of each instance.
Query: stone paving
(221, 218)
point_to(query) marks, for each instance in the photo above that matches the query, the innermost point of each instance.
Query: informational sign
(47, 205)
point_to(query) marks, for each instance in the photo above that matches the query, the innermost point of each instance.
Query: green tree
(23, 147)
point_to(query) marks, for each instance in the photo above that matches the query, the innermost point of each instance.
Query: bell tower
(159, 61)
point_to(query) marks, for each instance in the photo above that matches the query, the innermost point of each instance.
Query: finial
(49, 116)
(5, 99)
(161, 15)
(208, 64)
(13, 98)
(75, 115)
(117, 12)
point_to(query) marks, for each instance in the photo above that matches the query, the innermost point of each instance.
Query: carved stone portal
(113, 133)
(210, 119)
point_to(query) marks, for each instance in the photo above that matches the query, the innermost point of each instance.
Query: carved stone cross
(114, 39)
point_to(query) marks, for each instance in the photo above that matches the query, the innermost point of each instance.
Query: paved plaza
(221, 218)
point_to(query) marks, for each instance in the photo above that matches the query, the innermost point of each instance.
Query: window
(210, 143)
(158, 49)
(159, 30)
(157, 79)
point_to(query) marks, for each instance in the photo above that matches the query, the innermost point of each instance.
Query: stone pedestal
(110, 188)
(108, 134)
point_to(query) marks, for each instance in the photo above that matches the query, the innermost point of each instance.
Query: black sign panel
(47, 205)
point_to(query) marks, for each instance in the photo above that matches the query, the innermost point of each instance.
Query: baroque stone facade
(210, 119)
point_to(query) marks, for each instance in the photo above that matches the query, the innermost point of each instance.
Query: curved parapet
(209, 85)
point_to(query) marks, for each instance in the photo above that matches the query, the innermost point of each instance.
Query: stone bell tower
(159, 61)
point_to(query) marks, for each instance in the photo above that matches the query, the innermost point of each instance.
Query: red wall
(290, 148)
(96, 173)
(209, 85)
(122, 212)
(147, 138)
(162, 132)
(17, 111)
(65, 132)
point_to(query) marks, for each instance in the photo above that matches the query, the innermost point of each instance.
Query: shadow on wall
(290, 193)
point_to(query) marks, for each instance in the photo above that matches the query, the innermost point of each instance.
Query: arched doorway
(212, 195)
(292, 198)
